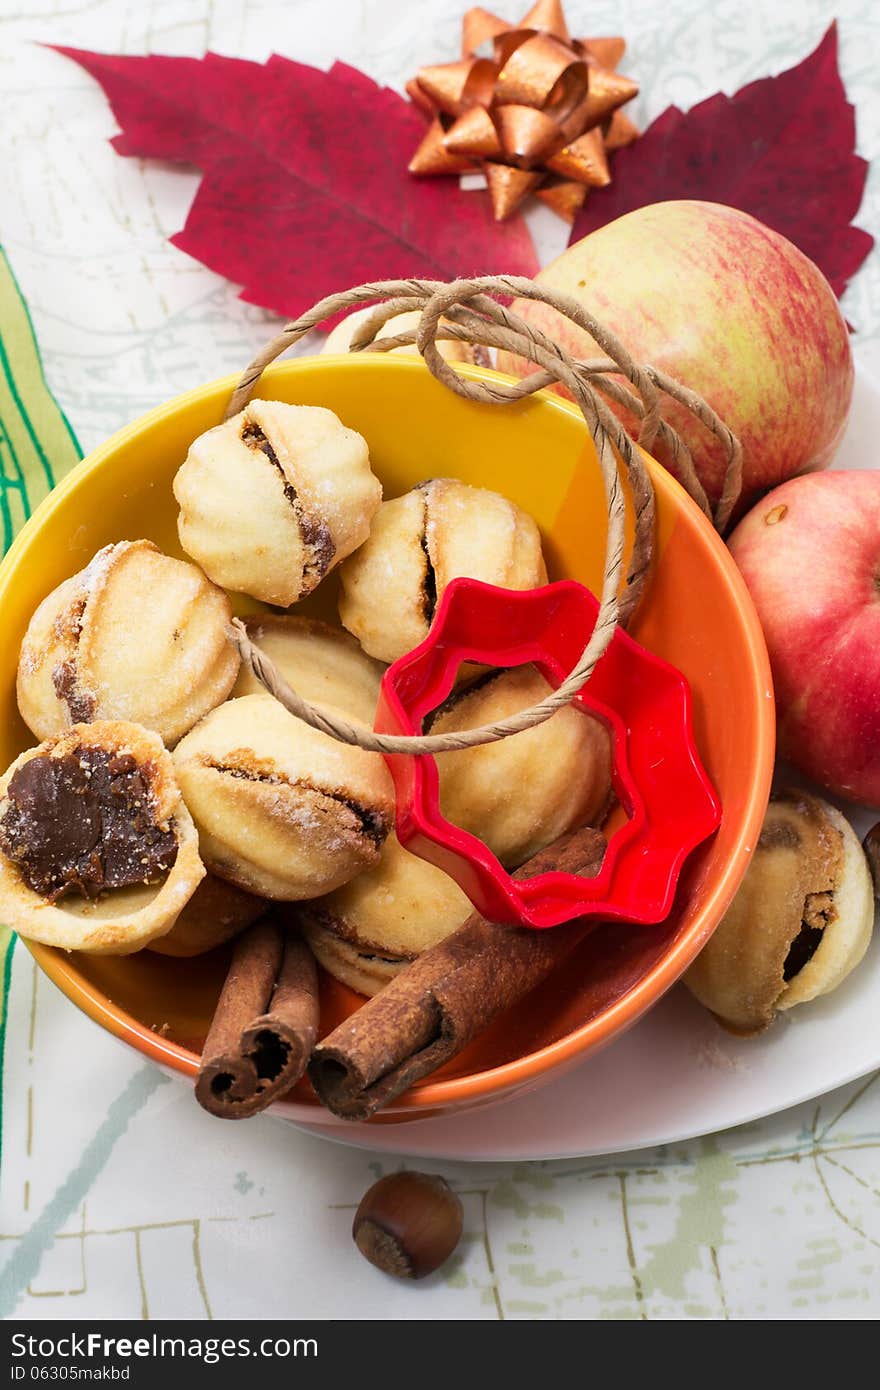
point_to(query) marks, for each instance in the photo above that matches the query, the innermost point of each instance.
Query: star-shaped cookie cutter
(660, 782)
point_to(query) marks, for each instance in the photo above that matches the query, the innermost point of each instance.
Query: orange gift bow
(539, 116)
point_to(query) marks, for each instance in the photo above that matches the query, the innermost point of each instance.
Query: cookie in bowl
(136, 636)
(364, 971)
(97, 849)
(365, 932)
(273, 499)
(283, 811)
(322, 663)
(418, 543)
(524, 791)
(216, 912)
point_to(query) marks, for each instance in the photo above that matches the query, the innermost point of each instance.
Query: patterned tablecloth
(119, 1198)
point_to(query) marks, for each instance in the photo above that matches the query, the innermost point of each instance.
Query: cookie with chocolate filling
(801, 920)
(417, 544)
(271, 500)
(97, 849)
(216, 912)
(137, 636)
(364, 971)
(282, 810)
(519, 794)
(385, 917)
(322, 663)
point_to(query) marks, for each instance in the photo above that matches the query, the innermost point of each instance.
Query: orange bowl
(696, 614)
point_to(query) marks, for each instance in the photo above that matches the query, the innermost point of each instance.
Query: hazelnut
(408, 1224)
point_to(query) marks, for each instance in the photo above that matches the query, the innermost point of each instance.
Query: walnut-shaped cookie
(366, 972)
(418, 543)
(367, 930)
(271, 500)
(216, 912)
(801, 921)
(97, 849)
(137, 636)
(283, 811)
(322, 663)
(524, 791)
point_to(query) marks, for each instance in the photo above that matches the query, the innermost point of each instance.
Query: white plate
(676, 1074)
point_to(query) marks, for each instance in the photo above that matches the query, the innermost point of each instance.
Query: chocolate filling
(819, 913)
(315, 533)
(373, 824)
(779, 835)
(429, 583)
(81, 704)
(318, 540)
(84, 822)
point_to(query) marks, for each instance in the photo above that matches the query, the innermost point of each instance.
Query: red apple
(731, 309)
(810, 555)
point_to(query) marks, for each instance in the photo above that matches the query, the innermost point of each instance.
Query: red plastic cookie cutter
(670, 804)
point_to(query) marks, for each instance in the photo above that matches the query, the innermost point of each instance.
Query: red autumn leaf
(305, 188)
(781, 149)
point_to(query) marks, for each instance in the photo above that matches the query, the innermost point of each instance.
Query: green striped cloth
(37, 447)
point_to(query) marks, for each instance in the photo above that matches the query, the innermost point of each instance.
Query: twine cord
(466, 311)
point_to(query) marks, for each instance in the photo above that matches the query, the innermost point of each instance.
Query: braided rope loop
(468, 311)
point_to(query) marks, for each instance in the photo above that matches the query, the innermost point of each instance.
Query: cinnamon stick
(264, 1025)
(448, 995)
